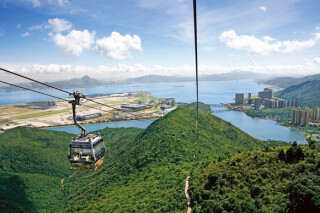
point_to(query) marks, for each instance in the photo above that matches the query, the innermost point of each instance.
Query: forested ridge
(307, 93)
(144, 170)
(269, 180)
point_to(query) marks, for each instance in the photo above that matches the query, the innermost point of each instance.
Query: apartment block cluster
(264, 99)
(304, 117)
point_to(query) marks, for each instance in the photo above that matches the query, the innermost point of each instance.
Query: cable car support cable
(32, 90)
(61, 90)
(52, 96)
(25, 77)
(196, 63)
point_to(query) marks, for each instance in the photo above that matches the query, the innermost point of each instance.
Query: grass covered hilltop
(145, 170)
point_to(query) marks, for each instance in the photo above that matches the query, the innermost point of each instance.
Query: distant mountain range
(88, 82)
(84, 82)
(234, 75)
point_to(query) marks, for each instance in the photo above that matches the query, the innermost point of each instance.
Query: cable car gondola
(86, 151)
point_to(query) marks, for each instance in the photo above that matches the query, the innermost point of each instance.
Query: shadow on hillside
(12, 195)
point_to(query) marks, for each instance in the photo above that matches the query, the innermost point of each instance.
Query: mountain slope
(284, 82)
(143, 171)
(33, 163)
(271, 180)
(172, 138)
(149, 176)
(307, 93)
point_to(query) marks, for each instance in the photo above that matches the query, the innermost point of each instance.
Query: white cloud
(37, 27)
(117, 46)
(248, 42)
(74, 42)
(316, 60)
(54, 72)
(59, 25)
(317, 28)
(263, 8)
(36, 3)
(26, 34)
(291, 46)
(268, 38)
(266, 45)
(61, 3)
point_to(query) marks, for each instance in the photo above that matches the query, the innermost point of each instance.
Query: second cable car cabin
(87, 150)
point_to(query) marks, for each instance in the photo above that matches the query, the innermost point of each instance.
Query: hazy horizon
(63, 39)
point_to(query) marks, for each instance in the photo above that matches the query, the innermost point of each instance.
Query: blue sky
(118, 39)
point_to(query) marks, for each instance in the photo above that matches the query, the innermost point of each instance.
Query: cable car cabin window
(99, 149)
(81, 153)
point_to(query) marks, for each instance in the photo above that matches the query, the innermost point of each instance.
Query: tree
(310, 142)
(304, 194)
(282, 155)
(294, 154)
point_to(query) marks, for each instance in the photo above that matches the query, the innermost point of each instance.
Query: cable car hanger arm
(77, 95)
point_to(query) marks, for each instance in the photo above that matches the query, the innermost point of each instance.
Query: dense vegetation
(150, 175)
(202, 107)
(144, 170)
(307, 93)
(32, 163)
(270, 180)
(283, 115)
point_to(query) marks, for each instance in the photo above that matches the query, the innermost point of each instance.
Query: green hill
(33, 163)
(307, 93)
(150, 175)
(270, 180)
(284, 82)
(144, 170)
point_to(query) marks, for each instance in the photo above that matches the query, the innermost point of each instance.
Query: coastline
(302, 130)
(56, 113)
(101, 122)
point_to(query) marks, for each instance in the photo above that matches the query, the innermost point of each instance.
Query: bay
(210, 92)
